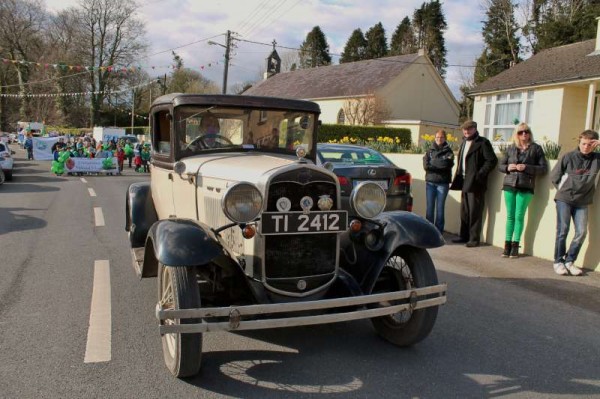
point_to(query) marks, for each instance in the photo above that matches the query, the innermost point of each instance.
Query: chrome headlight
(242, 202)
(367, 200)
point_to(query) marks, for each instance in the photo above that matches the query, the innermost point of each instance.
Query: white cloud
(173, 23)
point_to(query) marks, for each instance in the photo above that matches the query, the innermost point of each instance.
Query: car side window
(162, 132)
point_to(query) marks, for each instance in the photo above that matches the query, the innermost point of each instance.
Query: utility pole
(132, 110)
(227, 47)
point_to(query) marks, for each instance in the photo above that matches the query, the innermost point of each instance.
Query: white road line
(83, 180)
(98, 348)
(92, 192)
(98, 216)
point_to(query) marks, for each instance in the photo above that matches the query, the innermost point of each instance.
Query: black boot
(506, 252)
(514, 249)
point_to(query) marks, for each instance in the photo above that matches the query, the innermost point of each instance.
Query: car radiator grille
(302, 255)
(291, 257)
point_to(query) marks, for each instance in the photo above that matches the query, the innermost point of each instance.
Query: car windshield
(201, 129)
(352, 156)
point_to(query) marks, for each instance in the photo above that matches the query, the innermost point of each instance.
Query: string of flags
(128, 112)
(108, 68)
(84, 93)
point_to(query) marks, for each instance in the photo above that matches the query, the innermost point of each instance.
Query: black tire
(182, 352)
(406, 268)
(8, 175)
(2, 177)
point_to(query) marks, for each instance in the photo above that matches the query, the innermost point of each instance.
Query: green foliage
(403, 39)
(355, 49)
(429, 24)
(314, 51)
(551, 149)
(500, 37)
(559, 22)
(376, 42)
(329, 132)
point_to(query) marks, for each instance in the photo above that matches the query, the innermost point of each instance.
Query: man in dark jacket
(476, 159)
(575, 180)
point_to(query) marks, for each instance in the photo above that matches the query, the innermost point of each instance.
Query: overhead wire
(274, 19)
(265, 17)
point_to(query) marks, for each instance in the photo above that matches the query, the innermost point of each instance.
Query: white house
(414, 94)
(554, 91)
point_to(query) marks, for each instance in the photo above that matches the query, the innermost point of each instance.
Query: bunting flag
(85, 93)
(102, 68)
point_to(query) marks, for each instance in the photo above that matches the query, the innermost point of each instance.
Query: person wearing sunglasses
(522, 162)
(574, 177)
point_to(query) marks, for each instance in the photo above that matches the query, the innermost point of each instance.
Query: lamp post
(227, 47)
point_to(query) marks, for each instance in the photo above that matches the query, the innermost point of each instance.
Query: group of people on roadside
(88, 147)
(574, 177)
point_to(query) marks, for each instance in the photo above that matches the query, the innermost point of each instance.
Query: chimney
(597, 49)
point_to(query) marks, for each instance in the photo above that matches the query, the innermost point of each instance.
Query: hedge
(328, 132)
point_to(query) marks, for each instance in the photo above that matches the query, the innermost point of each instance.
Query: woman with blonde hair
(522, 162)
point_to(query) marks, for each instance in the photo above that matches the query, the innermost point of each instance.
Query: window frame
(491, 129)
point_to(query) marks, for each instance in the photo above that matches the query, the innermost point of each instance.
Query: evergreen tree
(403, 39)
(559, 22)
(429, 24)
(376, 42)
(500, 38)
(314, 51)
(355, 49)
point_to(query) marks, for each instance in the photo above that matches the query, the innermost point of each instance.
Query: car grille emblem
(283, 204)
(325, 202)
(371, 172)
(306, 203)
(301, 285)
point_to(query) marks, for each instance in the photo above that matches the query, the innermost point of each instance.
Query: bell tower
(273, 63)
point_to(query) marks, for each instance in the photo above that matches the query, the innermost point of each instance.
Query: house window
(341, 117)
(596, 120)
(504, 111)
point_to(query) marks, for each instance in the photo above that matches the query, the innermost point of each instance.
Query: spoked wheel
(407, 268)
(178, 289)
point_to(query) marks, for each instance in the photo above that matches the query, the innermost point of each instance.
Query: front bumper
(235, 318)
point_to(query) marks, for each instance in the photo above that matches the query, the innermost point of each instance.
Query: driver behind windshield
(209, 128)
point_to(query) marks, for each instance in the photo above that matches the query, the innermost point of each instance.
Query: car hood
(237, 166)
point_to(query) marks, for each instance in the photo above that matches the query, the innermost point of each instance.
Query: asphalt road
(511, 328)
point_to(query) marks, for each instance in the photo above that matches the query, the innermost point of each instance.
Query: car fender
(184, 242)
(400, 229)
(140, 214)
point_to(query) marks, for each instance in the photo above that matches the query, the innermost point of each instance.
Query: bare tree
(290, 60)
(21, 26)
(112, 38)
(368, 110)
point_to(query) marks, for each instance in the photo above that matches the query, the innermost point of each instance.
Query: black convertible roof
(177, 99)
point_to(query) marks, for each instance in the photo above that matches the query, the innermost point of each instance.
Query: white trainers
(559, 268)
(573, 270)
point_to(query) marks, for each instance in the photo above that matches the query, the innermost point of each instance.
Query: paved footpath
(529, 272)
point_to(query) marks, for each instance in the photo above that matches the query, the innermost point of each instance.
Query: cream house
(554, 91)
(406, 89)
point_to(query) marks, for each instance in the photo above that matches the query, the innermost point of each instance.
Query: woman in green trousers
(522, 162)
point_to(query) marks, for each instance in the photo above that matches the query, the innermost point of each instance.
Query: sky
(175, 24)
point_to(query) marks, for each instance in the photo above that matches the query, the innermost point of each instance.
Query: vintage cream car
(244, 231)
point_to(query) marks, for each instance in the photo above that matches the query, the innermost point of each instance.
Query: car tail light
(343, 181)
(402, 183)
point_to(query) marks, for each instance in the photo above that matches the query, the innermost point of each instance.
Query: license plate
(381, 183)
(303, 223)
